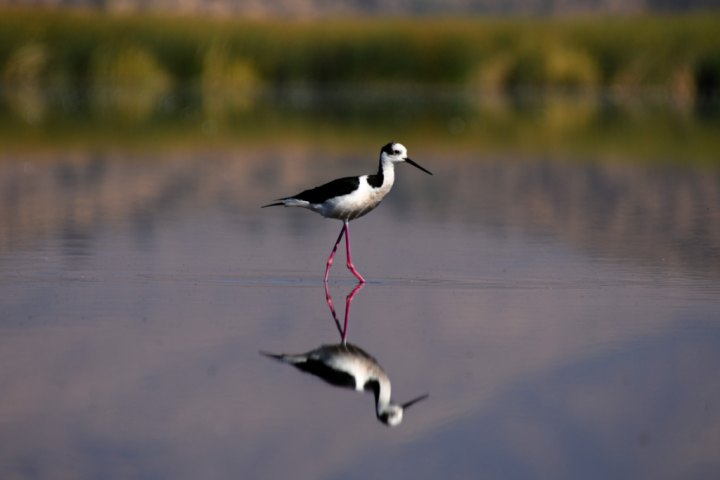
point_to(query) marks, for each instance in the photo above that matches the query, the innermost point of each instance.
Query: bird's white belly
(357, 368)
(353, 205)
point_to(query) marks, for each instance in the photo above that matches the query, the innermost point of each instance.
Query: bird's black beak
(416, 165)
(421, 397)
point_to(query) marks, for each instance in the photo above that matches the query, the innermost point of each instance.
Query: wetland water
(563, 314)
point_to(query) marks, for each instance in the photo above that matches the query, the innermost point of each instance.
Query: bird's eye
(396, 152)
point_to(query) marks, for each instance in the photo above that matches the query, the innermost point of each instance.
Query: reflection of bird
(346, 365)
(351, 197)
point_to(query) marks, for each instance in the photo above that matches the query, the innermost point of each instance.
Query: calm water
(562, 313)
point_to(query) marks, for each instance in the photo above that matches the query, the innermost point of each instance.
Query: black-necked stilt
(349, 366)
(351, 197)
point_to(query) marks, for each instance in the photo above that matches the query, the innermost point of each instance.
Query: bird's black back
(334, 377)
(336, 188)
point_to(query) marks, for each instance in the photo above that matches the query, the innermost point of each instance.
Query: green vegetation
(680, 53)
(129, 80)
(638, 87)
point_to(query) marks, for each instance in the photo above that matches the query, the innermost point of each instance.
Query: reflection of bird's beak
(416, 165)
(414, 400)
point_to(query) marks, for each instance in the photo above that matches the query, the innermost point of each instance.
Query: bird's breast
(356, 204)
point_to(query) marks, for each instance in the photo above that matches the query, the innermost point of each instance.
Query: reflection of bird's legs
(332, 309)
(348, 302)
(349, 259)
(332, 255)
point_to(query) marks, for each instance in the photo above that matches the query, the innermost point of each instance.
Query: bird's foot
(351, 267)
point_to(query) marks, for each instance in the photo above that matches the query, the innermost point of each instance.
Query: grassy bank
(152, 53)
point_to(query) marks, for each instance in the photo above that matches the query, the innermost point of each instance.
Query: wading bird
(351, 197)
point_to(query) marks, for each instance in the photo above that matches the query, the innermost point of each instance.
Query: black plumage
(336, 188)
(315, 363)
(318, 195)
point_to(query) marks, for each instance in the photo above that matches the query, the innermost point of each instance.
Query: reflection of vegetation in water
(586, 124)
(641, 212)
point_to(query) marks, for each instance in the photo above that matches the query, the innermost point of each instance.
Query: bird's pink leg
(349, 258)
(332, 255)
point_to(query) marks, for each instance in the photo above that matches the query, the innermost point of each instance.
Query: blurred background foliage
(555, 83)
(678, 52)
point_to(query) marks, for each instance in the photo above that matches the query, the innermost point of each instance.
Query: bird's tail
(273, 205)
(292, 359)
(289, 202)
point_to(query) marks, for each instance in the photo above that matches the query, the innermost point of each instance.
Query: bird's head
(395, 153)
(392, 414)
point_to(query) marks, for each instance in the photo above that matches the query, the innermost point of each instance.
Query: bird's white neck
(387, 170)
(383, 397)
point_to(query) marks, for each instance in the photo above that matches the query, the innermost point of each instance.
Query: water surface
(563, 313)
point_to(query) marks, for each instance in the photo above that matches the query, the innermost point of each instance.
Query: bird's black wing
(334, 377)
(336, 188)
(312, 363)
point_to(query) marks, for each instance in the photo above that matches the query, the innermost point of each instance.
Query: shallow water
(563, 315)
